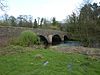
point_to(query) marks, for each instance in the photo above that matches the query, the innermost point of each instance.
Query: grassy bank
(26, 61)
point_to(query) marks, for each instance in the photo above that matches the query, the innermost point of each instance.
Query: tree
(45, 22)
(30, 21)
(35, 23)
(5, 21)
(86, 26)
(25, 20)
(3, 5)
(86, 13)
(12, 21)
(71, 23)
(54, 22)
(38, 20)
(19, 19)
(41, 22)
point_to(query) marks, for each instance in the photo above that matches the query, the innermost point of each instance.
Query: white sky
(43, 8)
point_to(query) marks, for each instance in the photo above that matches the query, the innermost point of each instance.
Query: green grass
(26, 63)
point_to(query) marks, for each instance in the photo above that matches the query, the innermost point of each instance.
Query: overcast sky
(43, 8)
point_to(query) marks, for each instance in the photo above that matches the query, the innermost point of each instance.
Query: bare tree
(3, 5)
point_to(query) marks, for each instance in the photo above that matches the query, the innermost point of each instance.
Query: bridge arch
(43, 39)
(65, 38)
(56, 39)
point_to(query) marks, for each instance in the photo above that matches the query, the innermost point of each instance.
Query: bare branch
(3, 5)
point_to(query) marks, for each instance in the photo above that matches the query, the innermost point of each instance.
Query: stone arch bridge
(46, 35)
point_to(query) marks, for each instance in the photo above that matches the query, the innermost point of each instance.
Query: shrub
(26, 38)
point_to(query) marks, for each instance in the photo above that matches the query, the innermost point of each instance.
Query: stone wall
(8, 32)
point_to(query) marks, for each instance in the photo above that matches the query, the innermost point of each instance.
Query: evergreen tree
(54, 22)
(35, 23)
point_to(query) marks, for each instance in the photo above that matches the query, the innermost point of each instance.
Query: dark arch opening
(56, 40)
(43, 40)
(66, 38)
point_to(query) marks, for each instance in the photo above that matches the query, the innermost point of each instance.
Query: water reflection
(70, 43)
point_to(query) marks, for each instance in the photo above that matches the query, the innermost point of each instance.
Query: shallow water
(70, 43)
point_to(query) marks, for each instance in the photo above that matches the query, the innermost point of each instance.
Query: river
(70, 43)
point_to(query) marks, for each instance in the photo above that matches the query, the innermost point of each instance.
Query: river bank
(95, 52)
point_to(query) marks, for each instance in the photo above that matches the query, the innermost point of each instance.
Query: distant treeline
(28, 21)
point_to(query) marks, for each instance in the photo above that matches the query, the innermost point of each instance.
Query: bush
(26, 38)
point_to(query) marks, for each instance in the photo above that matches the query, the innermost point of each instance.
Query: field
(16, 60)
